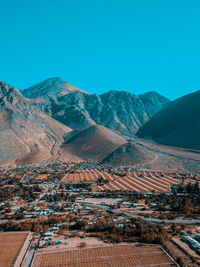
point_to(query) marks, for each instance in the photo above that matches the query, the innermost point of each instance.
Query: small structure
(48, 234)
(54, 228)
(126, 204)
(153, 205)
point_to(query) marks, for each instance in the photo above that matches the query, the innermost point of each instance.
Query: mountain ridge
(119, 111)
(53, 86)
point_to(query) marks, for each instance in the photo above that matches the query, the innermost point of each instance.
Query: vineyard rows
(137, 181)
(112, 256)
(10, 247)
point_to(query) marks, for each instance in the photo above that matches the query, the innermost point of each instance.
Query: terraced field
(112, 256)
(10, 247)
(138, 181)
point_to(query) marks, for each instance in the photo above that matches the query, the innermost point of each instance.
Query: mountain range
(55, 120)
(121, 112)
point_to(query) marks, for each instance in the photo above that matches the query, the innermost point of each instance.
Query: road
(29, 258)
(130, 215)
(41, 196)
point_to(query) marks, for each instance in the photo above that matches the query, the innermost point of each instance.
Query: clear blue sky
(102, 45)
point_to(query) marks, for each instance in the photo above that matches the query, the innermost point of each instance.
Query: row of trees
(133, 231)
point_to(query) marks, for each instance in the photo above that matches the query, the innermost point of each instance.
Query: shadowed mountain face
(178, 124)
(122, 112)
(153, 102)
(26, 134)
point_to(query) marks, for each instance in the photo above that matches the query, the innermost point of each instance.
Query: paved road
(130, 215)
(43, 193)
(29, 258)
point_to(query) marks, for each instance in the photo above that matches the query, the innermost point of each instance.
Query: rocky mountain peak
(51, 87)
(10, 96)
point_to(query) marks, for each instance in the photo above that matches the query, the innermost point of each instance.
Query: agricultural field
(84, 176)
(10, 247)
(112, 256)
(138, 181)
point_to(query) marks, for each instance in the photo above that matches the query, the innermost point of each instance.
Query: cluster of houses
(49, 238)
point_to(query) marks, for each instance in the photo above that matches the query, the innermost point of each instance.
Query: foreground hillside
(122, 112)
(178, 124)
(149, 155)
(129, 153)
(93, 143)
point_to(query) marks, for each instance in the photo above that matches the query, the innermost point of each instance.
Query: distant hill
(122, 112)
(178, 124)
(93, 143)
(26, 134)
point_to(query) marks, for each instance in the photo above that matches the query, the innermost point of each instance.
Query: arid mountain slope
(122, 112)
(93, 143)
(26, 134)
(178, 124)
